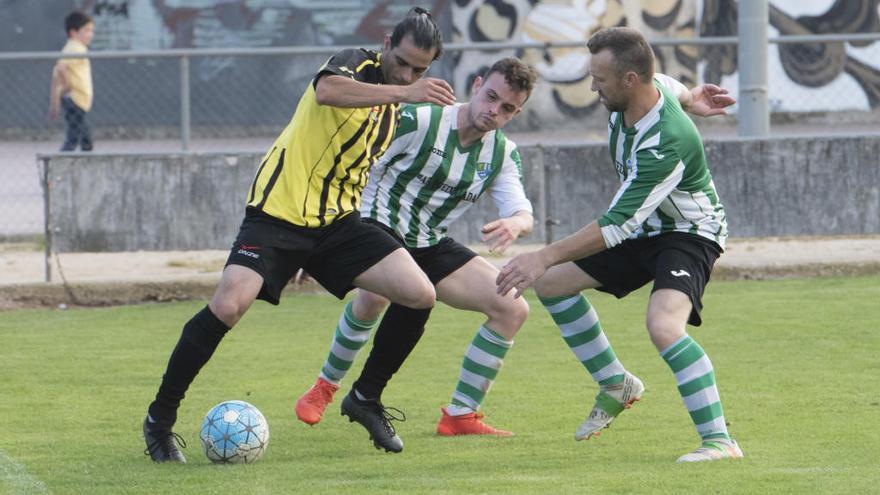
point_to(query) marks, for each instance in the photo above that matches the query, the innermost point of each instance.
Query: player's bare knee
(515, 311)
(368, 306)
(654, 325)
(507, 316)
(422, 298)
(542, 288)
(228, 311)
(663, 331)
(521, 313)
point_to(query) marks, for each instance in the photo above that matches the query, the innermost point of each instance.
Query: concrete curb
(118, 293)
(115, 293)
(806, 270)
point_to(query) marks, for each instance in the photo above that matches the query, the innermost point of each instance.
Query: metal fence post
(550, 220)
(47, 227)
(754, 114)
(184, 103)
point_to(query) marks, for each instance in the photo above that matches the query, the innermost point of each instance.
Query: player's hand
(53, 113)
(301, 277)
(500, 234)
(709, 100)
(430, 90)
(520, 273)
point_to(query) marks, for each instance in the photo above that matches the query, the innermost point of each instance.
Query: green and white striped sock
(696, 384)
(482, 361)
(351, 334)
(580, 328)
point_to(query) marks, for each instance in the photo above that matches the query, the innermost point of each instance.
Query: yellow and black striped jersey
(316, 169)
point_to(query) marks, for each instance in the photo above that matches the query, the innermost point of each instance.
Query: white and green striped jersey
(665, 181)
(427, 179)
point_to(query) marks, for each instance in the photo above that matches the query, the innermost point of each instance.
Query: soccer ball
(234, 432)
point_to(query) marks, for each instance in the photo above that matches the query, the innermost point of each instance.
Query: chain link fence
(144, 103)
(225, 100)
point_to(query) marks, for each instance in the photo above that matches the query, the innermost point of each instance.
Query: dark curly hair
(518, 74)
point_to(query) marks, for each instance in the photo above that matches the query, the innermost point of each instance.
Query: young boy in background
(72, 83)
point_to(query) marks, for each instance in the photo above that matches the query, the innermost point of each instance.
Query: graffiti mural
(159, 24)
(564, 71)
(803, 77)
(807, 76)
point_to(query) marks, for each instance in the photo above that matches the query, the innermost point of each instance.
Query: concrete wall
(773, 187)
(147, 202)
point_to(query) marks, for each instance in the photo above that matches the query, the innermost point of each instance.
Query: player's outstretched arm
(521, 272)
(705, 100)
(501, 233)
(340, 91)
(708, 100)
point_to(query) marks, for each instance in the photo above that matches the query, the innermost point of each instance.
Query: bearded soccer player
(302, 207)
(665, 224)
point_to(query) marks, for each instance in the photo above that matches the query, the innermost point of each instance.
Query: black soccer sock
(197, 343)
(397, 335)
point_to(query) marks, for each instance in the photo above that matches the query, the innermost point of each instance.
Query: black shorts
(334, 255)
(673, 261)
(437, 261)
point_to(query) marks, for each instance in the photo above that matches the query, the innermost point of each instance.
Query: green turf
(796, 361)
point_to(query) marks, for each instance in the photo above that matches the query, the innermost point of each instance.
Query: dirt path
(125, 278)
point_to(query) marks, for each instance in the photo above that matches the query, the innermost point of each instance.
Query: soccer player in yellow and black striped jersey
(302, 208)
(317, 167)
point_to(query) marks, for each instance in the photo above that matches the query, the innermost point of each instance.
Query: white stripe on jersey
(681, 199)
(432, 165)
(427, 195)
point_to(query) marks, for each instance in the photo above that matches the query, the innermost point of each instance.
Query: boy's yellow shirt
(79, 74)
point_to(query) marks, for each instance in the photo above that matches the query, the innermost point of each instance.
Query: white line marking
(16, 477)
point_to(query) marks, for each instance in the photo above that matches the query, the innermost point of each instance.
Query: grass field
(798, 365)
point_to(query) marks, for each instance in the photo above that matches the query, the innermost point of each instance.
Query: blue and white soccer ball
(234, 432)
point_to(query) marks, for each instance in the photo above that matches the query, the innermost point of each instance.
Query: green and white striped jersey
(665, 181)
(426, 179)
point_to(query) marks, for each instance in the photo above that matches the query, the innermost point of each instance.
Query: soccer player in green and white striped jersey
(665, 224)
(442, 159)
